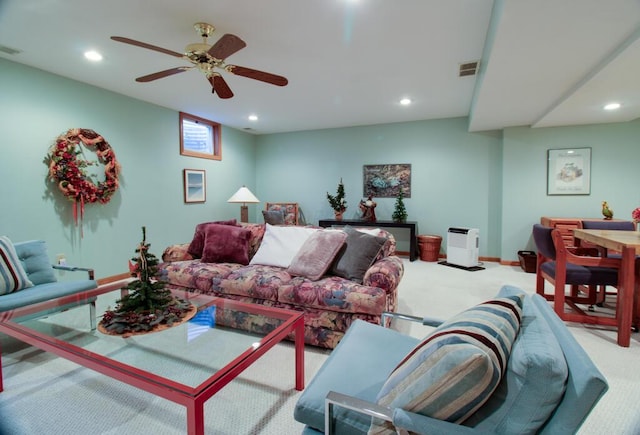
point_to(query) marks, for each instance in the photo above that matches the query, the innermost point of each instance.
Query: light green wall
(36, 107)
(455, 178)
(615, 153)
(493, 181)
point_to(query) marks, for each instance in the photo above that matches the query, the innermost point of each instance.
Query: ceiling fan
(207, 58)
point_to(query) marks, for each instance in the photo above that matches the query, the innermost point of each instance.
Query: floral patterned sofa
(330, 302)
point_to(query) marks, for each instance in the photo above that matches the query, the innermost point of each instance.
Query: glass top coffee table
(186, 364)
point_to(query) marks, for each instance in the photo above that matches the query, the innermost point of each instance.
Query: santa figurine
(368, 208)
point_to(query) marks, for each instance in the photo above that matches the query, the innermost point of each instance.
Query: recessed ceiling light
(405, 101)
(612, 106)
(93, 55)
(253, 117)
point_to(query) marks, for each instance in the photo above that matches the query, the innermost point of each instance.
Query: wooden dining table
(628, 244)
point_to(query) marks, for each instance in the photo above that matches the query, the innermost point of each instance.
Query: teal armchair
(550, 384)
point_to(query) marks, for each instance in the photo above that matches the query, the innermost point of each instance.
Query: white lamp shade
(243, 195)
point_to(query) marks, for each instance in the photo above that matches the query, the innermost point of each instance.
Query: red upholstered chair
(292, 212)
(563, 266)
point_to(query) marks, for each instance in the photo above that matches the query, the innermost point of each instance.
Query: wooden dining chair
(579, 268)
(610, 225)
(603, 225)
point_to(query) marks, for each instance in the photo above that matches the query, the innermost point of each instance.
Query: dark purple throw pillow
(197, 244)
(226, 244)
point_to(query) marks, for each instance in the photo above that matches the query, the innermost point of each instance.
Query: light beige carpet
(46, 394)
(441, 291)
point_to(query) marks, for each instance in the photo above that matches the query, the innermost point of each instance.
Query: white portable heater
(462, 246)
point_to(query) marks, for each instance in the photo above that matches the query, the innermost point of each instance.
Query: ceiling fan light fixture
(204, 29)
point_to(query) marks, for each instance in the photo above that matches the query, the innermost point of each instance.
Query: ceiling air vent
(469, 68)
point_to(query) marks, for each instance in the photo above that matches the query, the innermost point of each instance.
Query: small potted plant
(338, 202)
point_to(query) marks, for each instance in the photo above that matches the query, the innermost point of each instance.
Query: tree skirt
(191, 311)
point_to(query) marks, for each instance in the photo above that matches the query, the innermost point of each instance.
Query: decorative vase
(338, 215)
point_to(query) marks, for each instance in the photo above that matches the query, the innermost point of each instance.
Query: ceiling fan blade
(226, 46)
(161, 74)
(145, 45)
(219, 85)
(257, 75)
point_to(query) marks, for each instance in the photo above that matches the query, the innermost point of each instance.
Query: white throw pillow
(280, 244)
(370, 231)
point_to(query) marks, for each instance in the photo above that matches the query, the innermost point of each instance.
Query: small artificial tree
(145, 293)
(399, 213)
(149, 303)
(338, 202)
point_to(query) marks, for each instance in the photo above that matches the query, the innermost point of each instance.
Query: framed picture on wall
(195, 185)
(569, 171)
(386, 181)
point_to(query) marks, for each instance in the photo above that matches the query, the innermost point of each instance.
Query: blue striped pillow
(12, 274)
(454, 370)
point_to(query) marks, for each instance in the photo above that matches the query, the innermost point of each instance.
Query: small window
(199, 137)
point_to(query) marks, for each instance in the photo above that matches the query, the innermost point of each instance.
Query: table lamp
(244, 196)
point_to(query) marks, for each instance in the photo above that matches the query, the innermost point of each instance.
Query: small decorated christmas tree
(149, 304)
(338, 203)
(146, 293)
(399, 213)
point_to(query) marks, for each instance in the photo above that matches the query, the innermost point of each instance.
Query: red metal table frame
(627, 243)
(192, 398)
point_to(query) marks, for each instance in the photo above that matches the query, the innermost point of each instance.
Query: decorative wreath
(67, 168)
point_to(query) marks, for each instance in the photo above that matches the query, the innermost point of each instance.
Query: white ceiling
(543, 63)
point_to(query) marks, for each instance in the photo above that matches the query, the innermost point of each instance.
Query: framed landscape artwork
(569, 171)
(386, 181)
(195, 185)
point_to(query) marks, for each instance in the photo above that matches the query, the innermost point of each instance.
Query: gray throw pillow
(273, 217)
(357, 255)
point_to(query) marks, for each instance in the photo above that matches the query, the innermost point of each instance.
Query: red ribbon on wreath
(67, 169)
